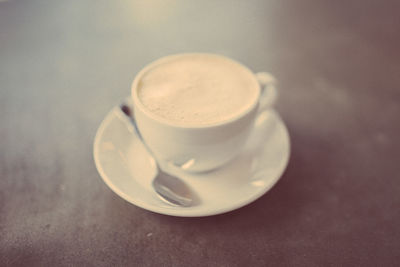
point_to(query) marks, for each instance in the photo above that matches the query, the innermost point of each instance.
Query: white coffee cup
(198, 148)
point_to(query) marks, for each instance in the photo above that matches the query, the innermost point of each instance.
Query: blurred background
(65, 64)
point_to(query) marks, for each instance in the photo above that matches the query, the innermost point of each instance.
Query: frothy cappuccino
(197, 89)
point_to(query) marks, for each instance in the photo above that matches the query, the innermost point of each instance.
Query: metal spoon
(169, 188)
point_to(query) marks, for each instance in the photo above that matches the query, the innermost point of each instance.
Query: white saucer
(127, 169)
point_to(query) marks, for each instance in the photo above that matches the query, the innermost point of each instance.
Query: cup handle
(269, 92)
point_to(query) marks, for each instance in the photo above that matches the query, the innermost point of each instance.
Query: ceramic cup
(200, 148)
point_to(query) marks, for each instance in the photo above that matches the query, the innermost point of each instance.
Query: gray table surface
(65, 64)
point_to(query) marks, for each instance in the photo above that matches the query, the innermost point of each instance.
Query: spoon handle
(129, 114)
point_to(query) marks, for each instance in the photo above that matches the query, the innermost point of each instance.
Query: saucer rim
(176, 210)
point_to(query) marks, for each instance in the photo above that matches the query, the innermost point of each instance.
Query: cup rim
(138, 104)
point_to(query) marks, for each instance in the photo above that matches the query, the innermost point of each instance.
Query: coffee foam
(197, 89)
